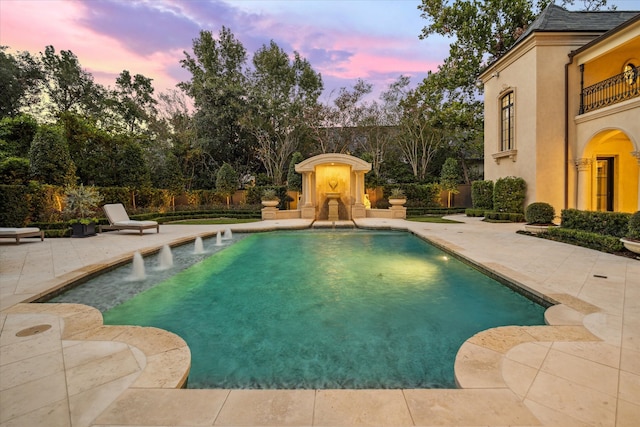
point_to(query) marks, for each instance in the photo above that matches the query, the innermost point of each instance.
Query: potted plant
(80, 207)
(632, 240)
(269, 198)
(539, 217)
(397, 197)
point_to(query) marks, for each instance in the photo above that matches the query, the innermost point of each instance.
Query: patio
(582, 370)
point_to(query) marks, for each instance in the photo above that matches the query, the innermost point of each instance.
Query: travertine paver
(583, 371)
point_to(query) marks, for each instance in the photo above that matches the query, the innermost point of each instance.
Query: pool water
(334, 309)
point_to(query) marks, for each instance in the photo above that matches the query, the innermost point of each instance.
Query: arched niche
(337, 177)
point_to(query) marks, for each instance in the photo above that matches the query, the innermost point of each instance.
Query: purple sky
(376, 40)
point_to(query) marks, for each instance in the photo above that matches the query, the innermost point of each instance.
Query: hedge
(14, 212)
(504, 216)
(509, 194)
(420, 211)
(422, 195)
(608, 223)
(254, 194)
(474, 212)
(482, 195)
(21, 205)
(585, 239)
(634, 226)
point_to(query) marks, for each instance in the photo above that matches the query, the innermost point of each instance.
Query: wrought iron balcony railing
(615, 89)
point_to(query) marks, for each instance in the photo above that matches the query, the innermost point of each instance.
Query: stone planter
(83, 230)
(270, 203)
(632, 245)
(397, 202)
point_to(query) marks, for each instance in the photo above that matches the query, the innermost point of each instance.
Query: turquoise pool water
(335, 309)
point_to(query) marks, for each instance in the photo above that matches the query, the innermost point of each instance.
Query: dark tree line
(250, 116)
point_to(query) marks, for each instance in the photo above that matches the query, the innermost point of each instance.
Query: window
(506, 124)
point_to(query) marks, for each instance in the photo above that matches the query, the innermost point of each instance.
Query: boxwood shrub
(504, 216)
(539, 213)
(418, 195)
(482, 195)
(509, 194)
(472, 212)
(609, 223)
(585, 239)
(634, 227)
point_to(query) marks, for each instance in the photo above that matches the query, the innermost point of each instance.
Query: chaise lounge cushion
(119, 220)
(18, 233)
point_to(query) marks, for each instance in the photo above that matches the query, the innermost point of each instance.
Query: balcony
(611, 91)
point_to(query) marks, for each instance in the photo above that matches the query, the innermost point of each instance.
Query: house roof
(557, 19)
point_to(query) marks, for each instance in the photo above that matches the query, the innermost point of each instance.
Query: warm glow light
(446, 258)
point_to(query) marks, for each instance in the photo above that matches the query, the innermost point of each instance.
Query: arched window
(507, 136)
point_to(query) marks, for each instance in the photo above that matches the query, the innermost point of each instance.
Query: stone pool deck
(70, 370)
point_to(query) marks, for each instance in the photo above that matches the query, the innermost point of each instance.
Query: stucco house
(562, 110)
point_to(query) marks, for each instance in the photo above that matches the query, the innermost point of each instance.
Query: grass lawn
(433, 219)
(214, 221)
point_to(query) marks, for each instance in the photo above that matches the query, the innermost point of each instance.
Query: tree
(218, 88)
(133, 101)
(20, 79)
(68, 87)
(294, 179)
(226, 181)
(14, 171)
(449, 178)
(483, 30)
(177, 134)
(132, 170)
(93, 150)
(49, 158)
(418, 139)
(379, 122)
(16, 134)
(281, 91)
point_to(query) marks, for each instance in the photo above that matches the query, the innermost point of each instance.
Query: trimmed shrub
(116, 195)
(504, 216)
(254, 194)
(423, 195)
(609, 223)
(14, 170)
(420, 211)
(585, 239)
(14, 212)
(509, 194)
(539, 213)
(474, 212)
(634, 227)
(482, 194)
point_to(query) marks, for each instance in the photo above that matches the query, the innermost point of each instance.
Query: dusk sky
(376, 40)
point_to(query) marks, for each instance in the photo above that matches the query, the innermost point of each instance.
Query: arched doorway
(608, 173)
(333, 187)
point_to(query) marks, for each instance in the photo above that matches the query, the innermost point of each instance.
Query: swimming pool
(334, 309)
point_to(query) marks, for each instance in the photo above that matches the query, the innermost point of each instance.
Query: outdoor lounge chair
(18, 233)
(119, 220)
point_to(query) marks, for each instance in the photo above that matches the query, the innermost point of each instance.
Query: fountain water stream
(219, 238)
(138, 271)
(165, 260)
(227, 234)
(198, 246)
